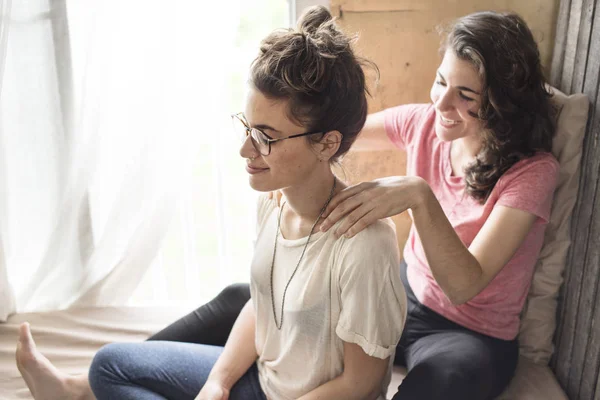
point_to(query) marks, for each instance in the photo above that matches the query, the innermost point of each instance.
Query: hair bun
(312, 19)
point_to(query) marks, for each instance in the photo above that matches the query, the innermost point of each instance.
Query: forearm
(372, 136)
(240, 350)
(343, 389)
(361, 379)
(453, 266)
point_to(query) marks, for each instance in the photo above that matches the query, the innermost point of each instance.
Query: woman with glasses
(479, 189)
(325, 314)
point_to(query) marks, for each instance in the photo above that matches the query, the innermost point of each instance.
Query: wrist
(222, 379)
(422, 193)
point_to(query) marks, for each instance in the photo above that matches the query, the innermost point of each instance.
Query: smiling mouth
(254, 170)
(449, 121)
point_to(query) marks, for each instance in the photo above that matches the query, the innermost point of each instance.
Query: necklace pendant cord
(280, 323)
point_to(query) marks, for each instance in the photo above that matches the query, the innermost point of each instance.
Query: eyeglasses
(260, 140)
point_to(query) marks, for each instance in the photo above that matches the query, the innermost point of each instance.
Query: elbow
(458, 297)
(357, 391)
(371, 394)
(374, 394)
(457, 300)
(467, 288)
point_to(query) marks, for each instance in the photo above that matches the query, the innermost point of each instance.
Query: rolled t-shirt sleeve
(373, 301)
(530, 187)
(401, 123)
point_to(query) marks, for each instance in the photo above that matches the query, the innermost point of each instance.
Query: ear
(328, 145)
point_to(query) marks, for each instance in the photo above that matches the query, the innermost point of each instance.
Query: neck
(468, 146)
(306, 200)
(464, 151)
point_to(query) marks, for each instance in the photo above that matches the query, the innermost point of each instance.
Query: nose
(444, 100)
(247, 150)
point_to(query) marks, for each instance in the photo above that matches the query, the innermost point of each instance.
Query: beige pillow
(538, 320)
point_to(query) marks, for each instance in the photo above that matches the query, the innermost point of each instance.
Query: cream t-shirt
(344, 290)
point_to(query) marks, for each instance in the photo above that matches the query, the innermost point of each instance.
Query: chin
(448, 134)
(261, 185)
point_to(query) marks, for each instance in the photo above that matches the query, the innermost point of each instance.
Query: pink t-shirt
(528, 185)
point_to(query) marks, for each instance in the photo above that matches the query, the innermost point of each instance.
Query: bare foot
(44, 380)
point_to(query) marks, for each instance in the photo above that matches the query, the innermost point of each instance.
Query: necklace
(280, 324)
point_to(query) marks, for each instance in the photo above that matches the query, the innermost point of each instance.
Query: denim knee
(102, 370)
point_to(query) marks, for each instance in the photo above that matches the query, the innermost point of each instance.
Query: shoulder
(529, 185)
(403, 123)
(382, 231)
(407, 114)
(415, 109)
(541, 166)
(376, 246)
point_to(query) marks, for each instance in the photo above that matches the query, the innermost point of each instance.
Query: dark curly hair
(315, 68)
(516, 109)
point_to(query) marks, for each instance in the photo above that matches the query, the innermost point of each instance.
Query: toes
(25, 338)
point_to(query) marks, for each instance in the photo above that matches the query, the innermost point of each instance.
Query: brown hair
(316, 70)
(516, 111)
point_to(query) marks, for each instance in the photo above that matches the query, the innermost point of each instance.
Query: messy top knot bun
(316, 70)
(313, 19)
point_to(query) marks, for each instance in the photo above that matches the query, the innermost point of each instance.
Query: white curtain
(120, 178)
(7, 297)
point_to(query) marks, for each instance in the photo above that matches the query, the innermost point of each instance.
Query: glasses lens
(260, 141)
(240, 130)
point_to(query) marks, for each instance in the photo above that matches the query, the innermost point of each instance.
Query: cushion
(538, 320)
(70, 338)
(531, 382)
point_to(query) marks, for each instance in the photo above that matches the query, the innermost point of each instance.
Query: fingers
(356, 221)
(340, 211)
(342, 196)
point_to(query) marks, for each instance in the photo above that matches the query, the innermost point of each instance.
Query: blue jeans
(162, 370)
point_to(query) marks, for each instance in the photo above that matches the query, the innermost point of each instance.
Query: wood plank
(539, 14)
(586, 369)
(569, 334)
(585, 350)
(571, 46)
(597, 395)
(560, 43)
(583, 256)
(363, 6)
(573, 283)
(557, 70)
(583, 43)
(562, 30)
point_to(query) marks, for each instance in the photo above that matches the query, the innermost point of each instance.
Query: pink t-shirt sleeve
(401, 123)
(529, 185)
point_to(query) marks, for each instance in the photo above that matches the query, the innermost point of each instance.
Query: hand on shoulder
(362, 204)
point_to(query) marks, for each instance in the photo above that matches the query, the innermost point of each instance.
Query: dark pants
(444, 360)
(448, 361)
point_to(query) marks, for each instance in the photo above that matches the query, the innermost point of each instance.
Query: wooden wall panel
(576, 68)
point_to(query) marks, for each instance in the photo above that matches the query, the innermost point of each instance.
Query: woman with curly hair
(479, 187)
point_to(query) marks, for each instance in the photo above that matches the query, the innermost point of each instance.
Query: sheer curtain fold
(7, 297)
(118, 173)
